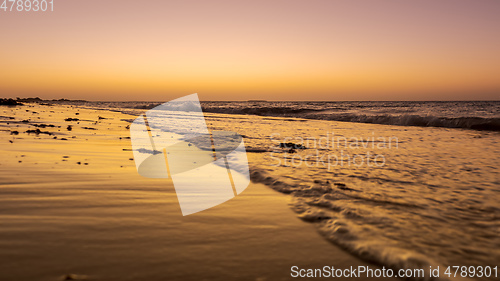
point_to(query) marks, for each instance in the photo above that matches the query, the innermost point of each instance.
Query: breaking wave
(356, 222)
(474, 123)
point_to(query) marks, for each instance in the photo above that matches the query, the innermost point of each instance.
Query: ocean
(401, 184)
(478, 115)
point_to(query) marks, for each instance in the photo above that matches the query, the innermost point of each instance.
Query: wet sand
(72, 203)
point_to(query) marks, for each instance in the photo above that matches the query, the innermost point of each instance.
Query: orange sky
(239, 50)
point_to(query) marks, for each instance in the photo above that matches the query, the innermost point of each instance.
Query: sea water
(402, 184)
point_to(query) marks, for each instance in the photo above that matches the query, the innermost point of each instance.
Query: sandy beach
(73, 207)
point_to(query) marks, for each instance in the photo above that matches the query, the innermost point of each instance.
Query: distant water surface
(478, 115)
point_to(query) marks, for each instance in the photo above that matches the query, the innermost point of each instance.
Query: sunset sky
(239, 50)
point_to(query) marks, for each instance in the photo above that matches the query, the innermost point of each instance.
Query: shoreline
(489, 123)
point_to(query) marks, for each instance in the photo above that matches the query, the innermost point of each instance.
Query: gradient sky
(239, 50)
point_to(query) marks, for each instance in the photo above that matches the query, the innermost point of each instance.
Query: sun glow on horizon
(320, 50)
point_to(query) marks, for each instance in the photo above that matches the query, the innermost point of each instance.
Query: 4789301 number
(471, 271)
(27, 5)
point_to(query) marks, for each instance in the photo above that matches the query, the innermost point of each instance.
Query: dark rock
(37, 132)
(44, 125)
(9, 102)
(37, 99)
(291, 145)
